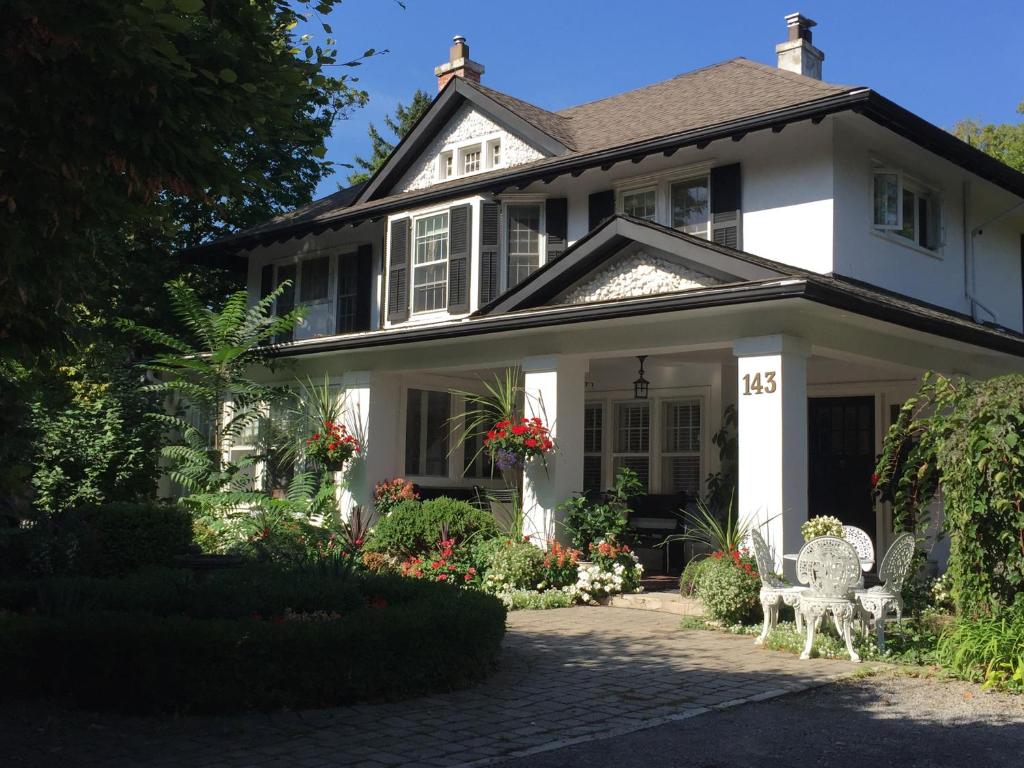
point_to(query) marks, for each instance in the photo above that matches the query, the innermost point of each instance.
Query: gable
(468, 123)
(636, 271)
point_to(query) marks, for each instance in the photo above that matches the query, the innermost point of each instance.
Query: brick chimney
(797, 54)
(458, 64)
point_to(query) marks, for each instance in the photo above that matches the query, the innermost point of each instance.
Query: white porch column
(772, 410)
(371, 414)
(554, 392)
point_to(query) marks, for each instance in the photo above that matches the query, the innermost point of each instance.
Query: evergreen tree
(403, 121)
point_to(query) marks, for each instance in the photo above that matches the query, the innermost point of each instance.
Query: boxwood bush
(729, 587)
(248, 640)
(415, 527)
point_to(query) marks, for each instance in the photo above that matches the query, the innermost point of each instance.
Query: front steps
(665, 602)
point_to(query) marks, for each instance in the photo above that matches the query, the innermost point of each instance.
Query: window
(593, 439)
(633, 439)
(681, 447)
(430, 263)
(310, 286)
(447, 165)
(348, 289)
(495, 153)
(471, 159)
(523, 241)
(690, 206)
(476, 462)
(641, 203)
(906, 208)
(426, 433)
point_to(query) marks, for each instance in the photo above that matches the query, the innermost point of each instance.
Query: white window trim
(919, 187)
(456, 150)
(403, 433)
(332, 284)
(609, 399)
(542, 240)
(662, 182)
(415, 266)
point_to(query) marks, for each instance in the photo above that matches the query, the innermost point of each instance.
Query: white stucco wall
(465, 125)
(935, 276)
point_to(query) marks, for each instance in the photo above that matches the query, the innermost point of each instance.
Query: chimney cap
(799, 26)
(459, 39)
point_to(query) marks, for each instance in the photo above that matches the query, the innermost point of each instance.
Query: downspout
(970, 265)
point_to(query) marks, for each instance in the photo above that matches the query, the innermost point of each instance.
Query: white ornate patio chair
(865, 549)
(878, 602)
(774, 591)
(831, 568)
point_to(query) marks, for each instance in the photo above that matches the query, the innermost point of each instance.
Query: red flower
(531, 443)
(491, 434)
(518, 430)
(442, 577)
(874, 479)
(316, 436)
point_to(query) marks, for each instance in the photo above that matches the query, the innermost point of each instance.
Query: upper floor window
(523, 241)
(906, 208)
(495, 153)
(641, 203)
(430, 264)
(690, 207)
(310, 286)
(447, 165)
(471, 159)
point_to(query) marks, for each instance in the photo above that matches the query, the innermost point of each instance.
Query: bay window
(523, 241)
(430, 263)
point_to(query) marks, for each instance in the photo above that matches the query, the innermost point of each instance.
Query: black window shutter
(460, 247)
(398, 271)
(286, 301)
(556, 225)
(364, 283)
(726, 205)
(602, 205)
(490, 215)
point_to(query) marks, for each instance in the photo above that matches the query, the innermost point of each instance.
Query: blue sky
(941, 59)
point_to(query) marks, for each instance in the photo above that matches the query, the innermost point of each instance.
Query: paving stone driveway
(566, 676)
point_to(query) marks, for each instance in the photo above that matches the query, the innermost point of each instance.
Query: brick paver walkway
(566, 676)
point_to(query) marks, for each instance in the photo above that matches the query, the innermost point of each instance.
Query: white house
(800, 250)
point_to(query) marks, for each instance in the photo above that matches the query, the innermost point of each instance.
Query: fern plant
(208, 370)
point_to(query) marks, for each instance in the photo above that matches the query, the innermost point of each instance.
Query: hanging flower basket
(332, 446)
(511, 444)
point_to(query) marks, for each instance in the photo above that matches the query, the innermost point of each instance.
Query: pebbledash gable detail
(736, 224)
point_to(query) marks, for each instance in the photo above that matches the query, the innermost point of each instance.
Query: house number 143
(759, 384)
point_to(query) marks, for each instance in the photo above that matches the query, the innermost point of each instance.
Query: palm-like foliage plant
(208, 370)
(720, 533)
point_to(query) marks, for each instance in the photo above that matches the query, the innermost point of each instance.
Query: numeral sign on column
(759, 383)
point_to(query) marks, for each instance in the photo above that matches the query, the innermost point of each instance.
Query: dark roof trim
(610, 237)
(821, 290)
(454, 94)
(863, 101)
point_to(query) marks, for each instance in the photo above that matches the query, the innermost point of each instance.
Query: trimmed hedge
(394, 638)
(414, 527)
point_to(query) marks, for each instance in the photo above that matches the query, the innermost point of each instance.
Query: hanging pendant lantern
(641, 385)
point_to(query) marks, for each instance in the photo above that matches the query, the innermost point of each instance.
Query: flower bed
(250, 640)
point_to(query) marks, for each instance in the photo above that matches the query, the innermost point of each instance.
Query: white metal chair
(865, 549)
(774, 591)
(831, 568)
(878, 602)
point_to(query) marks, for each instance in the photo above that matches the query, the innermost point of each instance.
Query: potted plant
(511, 444)
(332, 446)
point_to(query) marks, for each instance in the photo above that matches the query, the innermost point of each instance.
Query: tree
(135, 127)
(1004, 141)
(403, 121)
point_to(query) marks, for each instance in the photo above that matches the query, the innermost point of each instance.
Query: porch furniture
(865, 549)
(500, 502)
(831, 568)
(774, 591)
(878, 602)
(653, 518)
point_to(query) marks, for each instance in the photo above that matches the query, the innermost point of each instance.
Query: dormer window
(471, 159)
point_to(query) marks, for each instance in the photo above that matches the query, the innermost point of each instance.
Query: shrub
(414, 528)
(729, 587)
(143, 662)
(988, 650)
(690, 576)
(587, 522)
(516, 565)
(531, 600)
(127, 536)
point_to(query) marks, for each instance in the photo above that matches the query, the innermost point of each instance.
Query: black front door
(841, 459)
